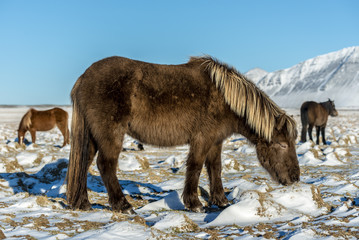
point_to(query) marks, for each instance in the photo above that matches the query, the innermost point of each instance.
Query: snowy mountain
(334, 75)
(256, 74)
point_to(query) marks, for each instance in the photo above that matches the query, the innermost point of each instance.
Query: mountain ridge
(334, 75)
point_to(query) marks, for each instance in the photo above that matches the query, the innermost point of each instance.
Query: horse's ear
(281, 119)
(288, 122)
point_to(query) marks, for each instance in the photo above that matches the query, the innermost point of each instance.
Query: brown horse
(34, 120)
(199, 103)
(316, 114)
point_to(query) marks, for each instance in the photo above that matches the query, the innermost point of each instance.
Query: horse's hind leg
(214, 168)
(68, 136)
(310, 128)
(322, 129)
(83, 202)
(318, 133)
(304, 134)
(109, 150)
(62, 126)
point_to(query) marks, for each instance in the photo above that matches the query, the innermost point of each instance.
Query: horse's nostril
(295, 178)
(283, 182)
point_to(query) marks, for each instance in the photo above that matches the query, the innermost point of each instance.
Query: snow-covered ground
(323, 205)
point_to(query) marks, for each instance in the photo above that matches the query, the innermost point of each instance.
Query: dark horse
(316, 114)
(199, 103)
(34, 120)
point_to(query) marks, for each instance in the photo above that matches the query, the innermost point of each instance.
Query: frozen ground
(324, 205)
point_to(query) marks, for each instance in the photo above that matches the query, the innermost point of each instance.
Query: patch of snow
(26, 159)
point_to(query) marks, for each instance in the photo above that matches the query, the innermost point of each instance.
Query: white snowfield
(323, 205)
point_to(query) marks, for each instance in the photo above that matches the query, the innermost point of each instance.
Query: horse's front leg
(33, 135)
(318, 133)
(195, 160)
(214, 169)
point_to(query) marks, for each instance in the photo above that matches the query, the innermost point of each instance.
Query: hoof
(223, 206)
(84, 206)
(219, 201)
(140, 147)
(128, 211)
(197, 209)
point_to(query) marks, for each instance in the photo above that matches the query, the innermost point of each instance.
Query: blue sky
(46, 45)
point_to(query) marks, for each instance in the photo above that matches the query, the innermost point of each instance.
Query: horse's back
(108, 80)
(114, 76)
(308, 105)
(60, 114)
(47, 119)
(121, 86)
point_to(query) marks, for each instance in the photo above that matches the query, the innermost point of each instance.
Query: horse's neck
(326, 106)
(246, 131)
(26, 121)
(22, 127)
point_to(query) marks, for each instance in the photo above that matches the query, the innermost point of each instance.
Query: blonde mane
(26, 120)
(247, 100)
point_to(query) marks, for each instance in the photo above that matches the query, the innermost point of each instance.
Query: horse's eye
(281, 144)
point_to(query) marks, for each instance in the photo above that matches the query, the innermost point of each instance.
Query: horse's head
(278, 156)
(332, 111)
(24, 126)
(20, 135)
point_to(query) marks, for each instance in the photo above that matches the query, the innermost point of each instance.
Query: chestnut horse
(35, 120)
(316, 114)
(199, 103)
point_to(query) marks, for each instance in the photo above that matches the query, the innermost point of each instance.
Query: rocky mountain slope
(334, 75)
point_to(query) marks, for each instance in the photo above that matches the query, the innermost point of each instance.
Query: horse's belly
(164, 119)
(159, 136)
(319, 122)
(160, 132)
(43, 127)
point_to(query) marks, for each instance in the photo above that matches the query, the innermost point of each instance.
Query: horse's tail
(67, 136)
(26, 120)
(79, 155)
(304, 120)
(67, 132)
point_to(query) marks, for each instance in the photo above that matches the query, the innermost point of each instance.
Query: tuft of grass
(41, 222)
(12, 166)
(11, 222)
(66, 224)
(140, 220)
(317, 198)
(143, 161)
(119, 217)
(27, 237)
(38, 160)
(43, 201)
(188, 226)
(2, 235)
